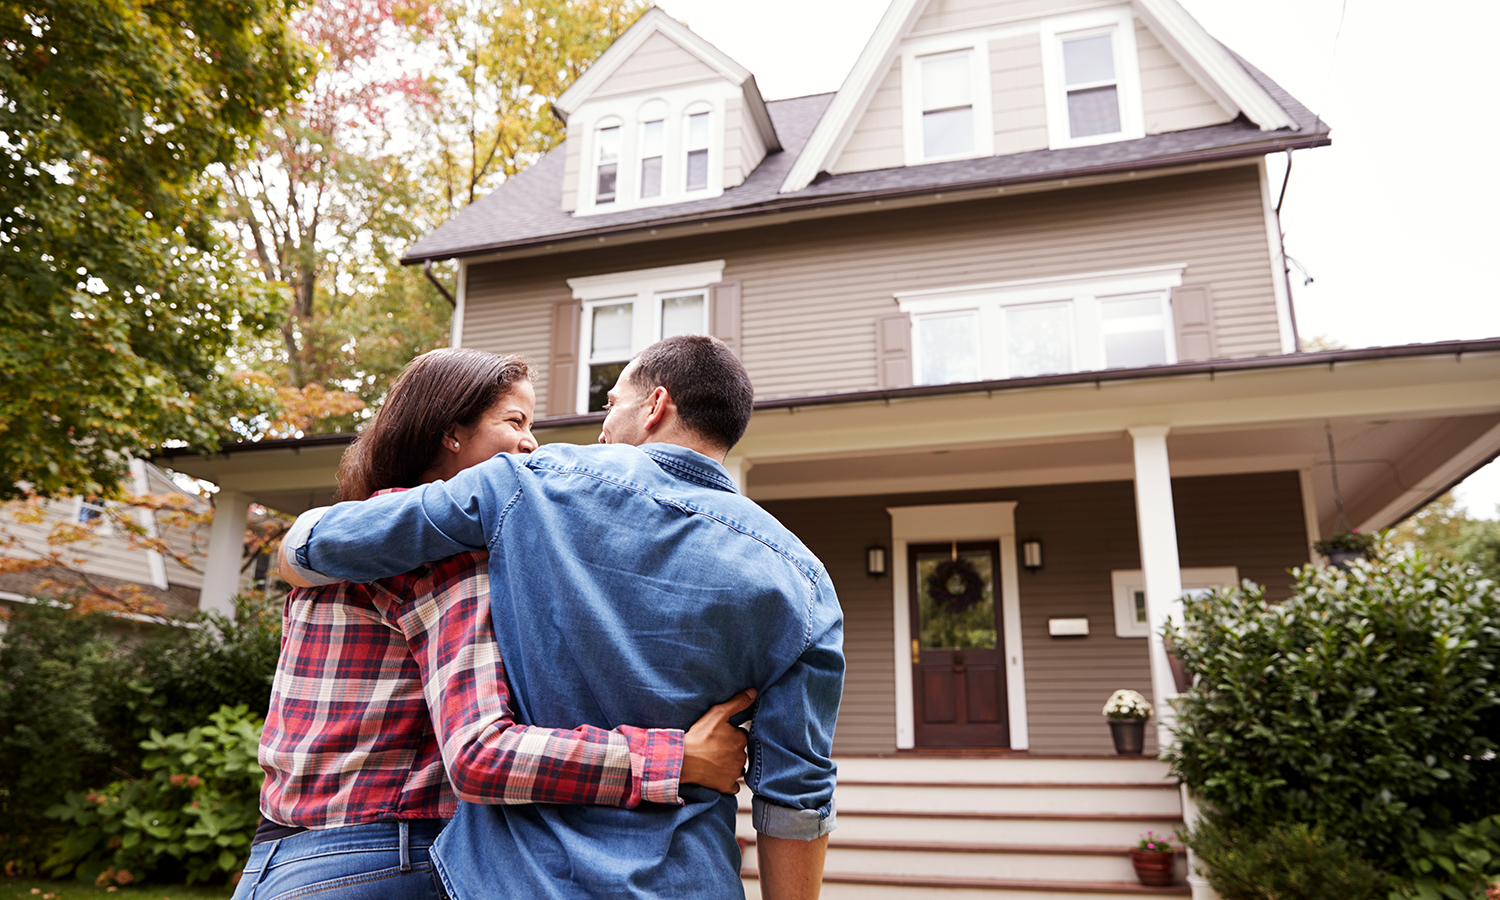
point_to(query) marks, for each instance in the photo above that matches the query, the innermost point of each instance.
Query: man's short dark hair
(708, 383)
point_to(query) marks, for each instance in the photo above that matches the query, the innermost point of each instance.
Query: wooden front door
(958, 682)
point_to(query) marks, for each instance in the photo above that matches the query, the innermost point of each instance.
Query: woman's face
(505, 428)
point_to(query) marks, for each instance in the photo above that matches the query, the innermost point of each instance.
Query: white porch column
(739, 469)
(1162, 570)
(226, 551)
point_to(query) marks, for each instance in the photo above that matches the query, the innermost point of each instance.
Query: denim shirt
(629, 585)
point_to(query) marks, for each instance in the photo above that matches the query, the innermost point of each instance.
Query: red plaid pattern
(386, 691)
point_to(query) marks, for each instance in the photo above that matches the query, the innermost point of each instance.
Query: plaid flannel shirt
(390, 701)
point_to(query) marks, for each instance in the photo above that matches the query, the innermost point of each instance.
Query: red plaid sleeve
(445, 615)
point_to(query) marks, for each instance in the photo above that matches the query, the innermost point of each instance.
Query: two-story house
(1015, 306)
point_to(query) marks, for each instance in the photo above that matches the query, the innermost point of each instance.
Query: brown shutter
(562, 374)
(724, 313)
(1193, 315)
(893, 350)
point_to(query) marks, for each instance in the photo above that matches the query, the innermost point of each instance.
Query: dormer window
(947, 104)
(653, 141)
(1092, 78)
(696, 145)
(607, 142)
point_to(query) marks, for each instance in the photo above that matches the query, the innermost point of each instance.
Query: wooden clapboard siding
(954, 15)
(812, 292)
(658, 62)
(743, 147)
(1018, 96)
(1253, 522)
(876, 142)
(571, 152)
(1171, 98)
(107, 553)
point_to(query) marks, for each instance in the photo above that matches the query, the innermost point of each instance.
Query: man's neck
(683, 438)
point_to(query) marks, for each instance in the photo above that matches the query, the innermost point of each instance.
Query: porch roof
(1407, 423)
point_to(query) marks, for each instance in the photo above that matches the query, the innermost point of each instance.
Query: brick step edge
(994, 884)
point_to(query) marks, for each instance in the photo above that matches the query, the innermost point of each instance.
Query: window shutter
(893, 350)
(724, 313)
(562, 375)
(1193, 315)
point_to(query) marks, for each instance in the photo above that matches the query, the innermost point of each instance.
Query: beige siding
(1253, 522)
(658, 62)
(106, 554)
(743, 147)
(571, 151)
(876, 142)
(1019, 97)
(1171, 98)
(953, 15)
(812, 292)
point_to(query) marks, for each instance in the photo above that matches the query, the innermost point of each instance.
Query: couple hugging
(518, 678)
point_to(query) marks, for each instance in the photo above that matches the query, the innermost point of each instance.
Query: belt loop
(405, 846)
(265, 867)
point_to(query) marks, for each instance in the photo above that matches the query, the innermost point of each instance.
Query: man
(631, 583)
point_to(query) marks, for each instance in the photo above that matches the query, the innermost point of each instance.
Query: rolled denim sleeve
(361, 541)
(792, 773)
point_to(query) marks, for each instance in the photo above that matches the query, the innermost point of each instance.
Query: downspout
(1286, 267)
(427, 268)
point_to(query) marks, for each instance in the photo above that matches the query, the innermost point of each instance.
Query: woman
(390, 701)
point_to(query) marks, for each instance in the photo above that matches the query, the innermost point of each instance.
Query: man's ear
(657, 407)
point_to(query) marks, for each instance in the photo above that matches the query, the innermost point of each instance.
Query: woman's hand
(714, 750)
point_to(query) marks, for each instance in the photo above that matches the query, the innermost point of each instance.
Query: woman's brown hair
(437, 391)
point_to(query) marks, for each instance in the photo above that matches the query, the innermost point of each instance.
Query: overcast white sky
(1394, 222)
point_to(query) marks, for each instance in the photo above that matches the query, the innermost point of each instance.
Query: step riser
(833, 891)
(1154, 801)
(1005, 771)
(1035, 832)
(938, 864)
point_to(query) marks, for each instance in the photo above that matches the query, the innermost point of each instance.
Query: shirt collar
(691, 465)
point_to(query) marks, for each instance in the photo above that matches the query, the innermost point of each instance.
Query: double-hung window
(653, 141)
(695, 144)
(1046, 326)
(625, 312)
(945, 89)
(1092, 78)
(607, 163)
(947, 104)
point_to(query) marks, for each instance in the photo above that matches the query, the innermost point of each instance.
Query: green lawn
(37, 889)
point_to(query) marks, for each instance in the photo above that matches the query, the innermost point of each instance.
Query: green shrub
(1290, 861)
(1454, 866)
(1367, 705)
(194, 813)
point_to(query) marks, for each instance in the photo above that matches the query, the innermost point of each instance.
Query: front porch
(1011, 827)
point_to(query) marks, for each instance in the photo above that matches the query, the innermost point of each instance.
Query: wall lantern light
(1031, 555)
(875, 561)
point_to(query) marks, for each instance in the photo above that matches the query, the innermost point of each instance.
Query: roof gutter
(1260, 148)
(427, 270)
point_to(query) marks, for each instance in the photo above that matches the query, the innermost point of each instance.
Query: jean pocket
(416, 883)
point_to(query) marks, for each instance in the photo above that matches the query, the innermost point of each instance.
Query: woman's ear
(450, 443)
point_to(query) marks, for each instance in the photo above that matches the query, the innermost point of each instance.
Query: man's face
(626, 411)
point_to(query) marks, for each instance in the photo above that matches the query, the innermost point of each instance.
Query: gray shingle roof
(527, 209)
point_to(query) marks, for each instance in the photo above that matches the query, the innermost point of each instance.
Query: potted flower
(1127, 712)
(1152, 859)
(1345, 547)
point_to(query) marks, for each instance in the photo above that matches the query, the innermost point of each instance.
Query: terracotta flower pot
(1129, 735)
(1152, 867)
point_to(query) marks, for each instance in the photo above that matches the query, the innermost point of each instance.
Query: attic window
(653, 139)
(696, 145)
(608, 142)
(947, 104)
(1093, 90)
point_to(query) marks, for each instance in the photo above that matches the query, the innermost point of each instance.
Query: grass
(40, 889)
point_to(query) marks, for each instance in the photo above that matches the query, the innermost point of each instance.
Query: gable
(1006, 84)
(658, 62)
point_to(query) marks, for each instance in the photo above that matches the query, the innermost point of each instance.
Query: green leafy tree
(1445, 529)
(118, 298)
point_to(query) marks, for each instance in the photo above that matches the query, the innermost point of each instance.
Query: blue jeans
(378, 861)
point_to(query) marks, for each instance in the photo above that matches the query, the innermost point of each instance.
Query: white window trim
(106, 524)
(645, 288)
(620, 161)
(991, 301)
(959, 522)
(981, 93)
(1127, 581)
(1127, 74)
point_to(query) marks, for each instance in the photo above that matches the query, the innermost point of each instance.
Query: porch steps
(1009, 828)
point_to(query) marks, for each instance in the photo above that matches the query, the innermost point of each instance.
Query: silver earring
(455, 445)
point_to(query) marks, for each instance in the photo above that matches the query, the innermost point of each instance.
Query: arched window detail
(651, 145)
